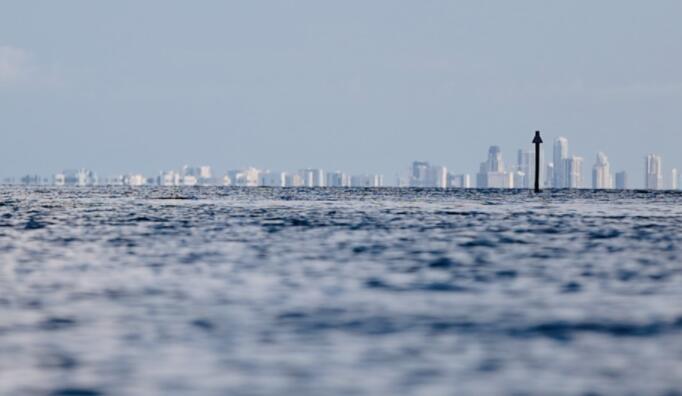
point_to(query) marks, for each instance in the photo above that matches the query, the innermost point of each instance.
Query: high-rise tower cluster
(564, 171)
(601, 173)
(492, 173)
(423, 174)
(567, 171)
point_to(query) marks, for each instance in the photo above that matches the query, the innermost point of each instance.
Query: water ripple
(212, 291)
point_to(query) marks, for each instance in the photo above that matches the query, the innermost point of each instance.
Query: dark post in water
(537, 140)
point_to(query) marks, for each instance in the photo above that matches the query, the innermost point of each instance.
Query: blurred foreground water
(216, 291)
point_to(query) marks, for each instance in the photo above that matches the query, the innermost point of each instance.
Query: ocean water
(225, 291)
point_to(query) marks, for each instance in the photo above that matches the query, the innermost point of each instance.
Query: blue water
(217, 291)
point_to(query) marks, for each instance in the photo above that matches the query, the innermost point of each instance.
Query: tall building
(621, 180)
(495, 162)
(573, 172)
(313, 177)
(376, 180)
(367, 181)
(653, 174)
(524, 176)
(438, 176)
(492, 173)
(205, 172)
(293, 180)
(80, 178)
(560, 157)
(196, 175)
(32, 180)
(168, 178)
(459, 181)
(519, 179)
(249, 177)
(338, 179)
(273, 179)
(482, 176)
(419, 177)
(601, 173)
(674, 179)
(525, 164)
(135, 180)
(549, 172)
(425, 175)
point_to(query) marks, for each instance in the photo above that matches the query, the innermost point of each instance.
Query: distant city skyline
(562, 171)
(566, 170)
(357, 86)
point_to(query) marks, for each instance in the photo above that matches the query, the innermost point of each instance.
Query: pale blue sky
(142, 86)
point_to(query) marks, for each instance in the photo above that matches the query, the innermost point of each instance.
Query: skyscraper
(72, 177)
(293, 180)
(338, 179)
(653, 174)
(313, 177)
(136, 180)
(495, 163)
(573, 172)
(196, 175)
(272, 179)
(560, 155)
(459, 181)
(425, 175)
(249, 177)
(420, 174)
(674, 179)
(438, 176)
(169, 178)
(601, 173)
(622, 180)
(372, 180)
(549, 179)
(492, 173)
(525, 169)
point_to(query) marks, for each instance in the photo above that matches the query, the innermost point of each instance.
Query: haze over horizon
(357, 86)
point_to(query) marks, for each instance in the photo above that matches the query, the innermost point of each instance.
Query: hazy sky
(368, 85)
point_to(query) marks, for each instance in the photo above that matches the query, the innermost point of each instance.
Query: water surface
(215, 291)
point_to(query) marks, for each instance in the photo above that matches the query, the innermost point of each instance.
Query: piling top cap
(537, 138)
